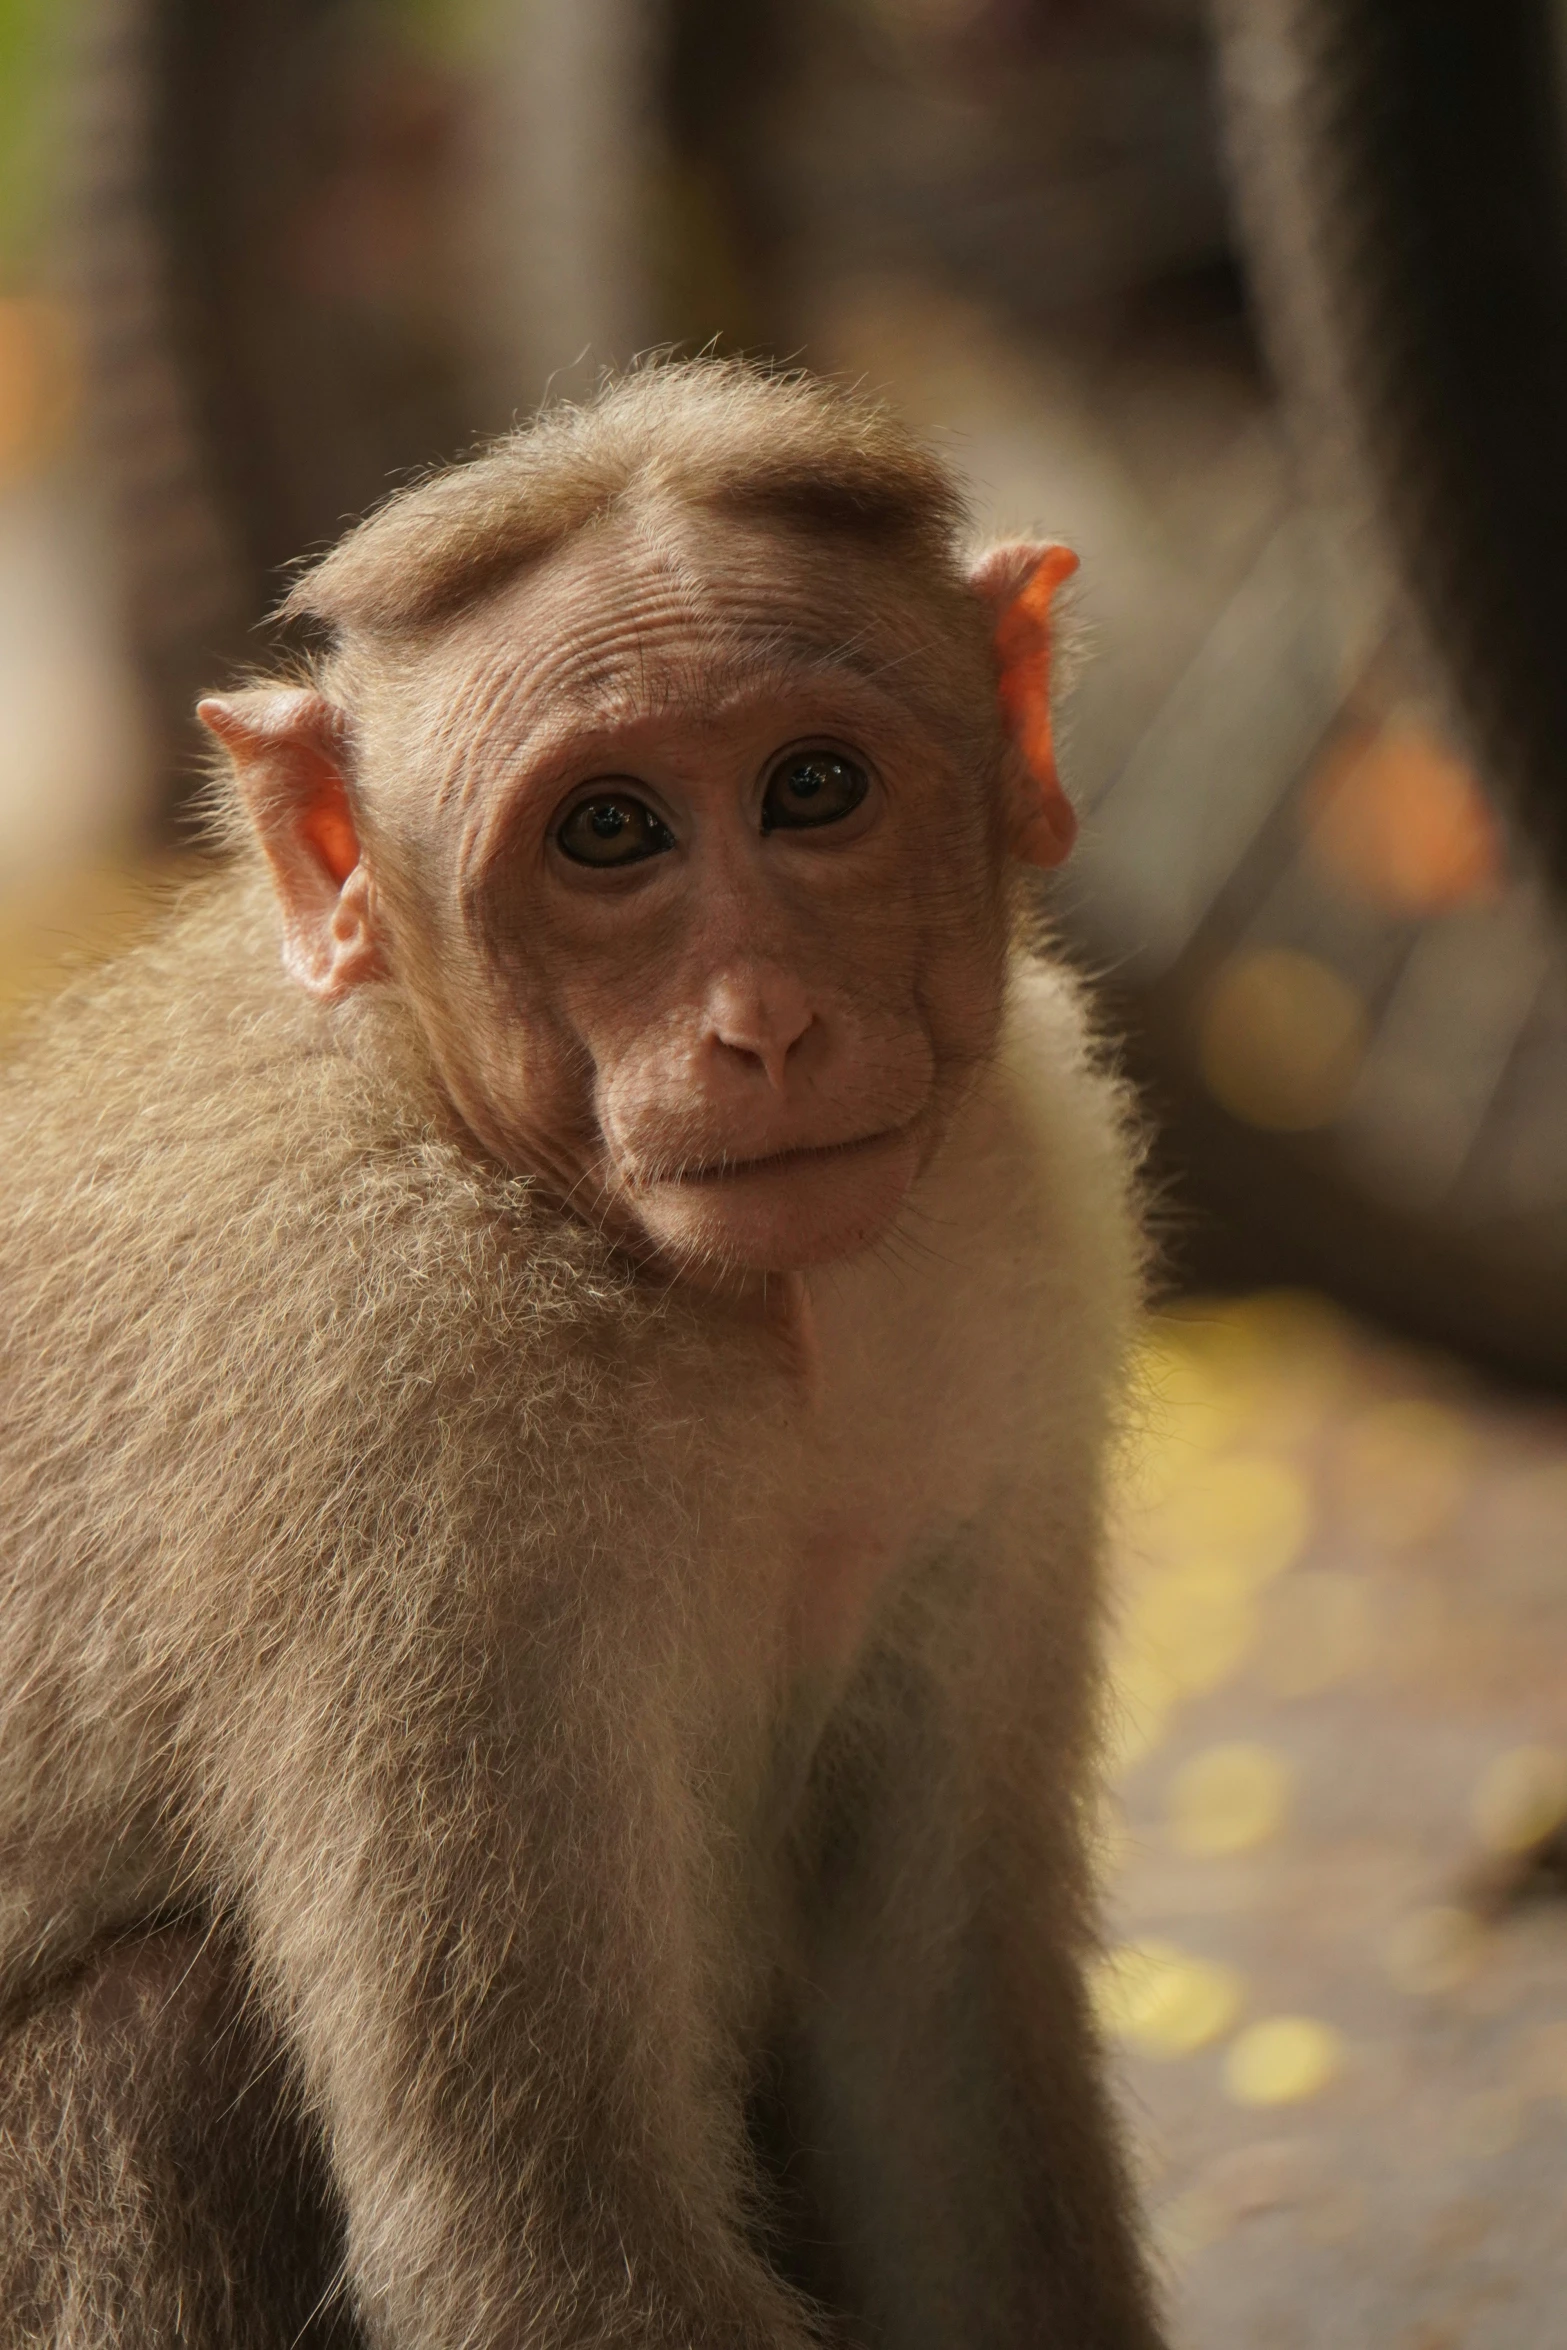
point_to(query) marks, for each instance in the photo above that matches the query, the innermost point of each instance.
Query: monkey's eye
(613, 829)
(808, 788)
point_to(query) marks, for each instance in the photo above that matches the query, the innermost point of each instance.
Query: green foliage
(33, 43)
(451, 30)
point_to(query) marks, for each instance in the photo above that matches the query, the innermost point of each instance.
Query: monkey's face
(720, 938)
(688, 848)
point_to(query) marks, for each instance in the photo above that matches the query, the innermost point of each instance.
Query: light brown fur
(157, 2183)
(660, 1941)
(718, 438)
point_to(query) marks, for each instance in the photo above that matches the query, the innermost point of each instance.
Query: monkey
(561, 1336)
(157, 2182)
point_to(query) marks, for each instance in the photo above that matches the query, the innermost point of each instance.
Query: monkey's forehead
(627, 627)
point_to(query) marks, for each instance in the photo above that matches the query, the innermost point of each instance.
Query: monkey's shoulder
(1057, 1064)
(1064, 1145)
(202, 1168)
(1049, 1250)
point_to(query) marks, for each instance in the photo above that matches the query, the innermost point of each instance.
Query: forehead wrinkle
(500, 674)
(608, 697)
(674, 637)
(701, 692)
(467, 724)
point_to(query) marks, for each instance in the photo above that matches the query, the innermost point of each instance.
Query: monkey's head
(671, 762)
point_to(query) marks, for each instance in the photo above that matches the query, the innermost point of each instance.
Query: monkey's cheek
(787, 1220)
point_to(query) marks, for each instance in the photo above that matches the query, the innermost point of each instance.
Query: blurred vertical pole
(1264, 80)
(182, 584)
(568, 152)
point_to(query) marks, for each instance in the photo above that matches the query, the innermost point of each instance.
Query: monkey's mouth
(785, 1162)
(784, 1210)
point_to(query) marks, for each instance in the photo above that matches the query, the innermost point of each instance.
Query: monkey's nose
(760, 1018)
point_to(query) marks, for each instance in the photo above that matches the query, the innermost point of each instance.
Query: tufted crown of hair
(724, 435)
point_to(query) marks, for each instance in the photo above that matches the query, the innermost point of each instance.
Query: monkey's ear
(1018, 582)
(289, 746)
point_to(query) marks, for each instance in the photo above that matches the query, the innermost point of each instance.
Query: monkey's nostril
(763, 1029)
(765, 1056)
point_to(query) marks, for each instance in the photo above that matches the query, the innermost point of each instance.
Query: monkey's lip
(788, 1161)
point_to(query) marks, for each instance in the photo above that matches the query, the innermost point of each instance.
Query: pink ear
(1020, 581)
(287, 745)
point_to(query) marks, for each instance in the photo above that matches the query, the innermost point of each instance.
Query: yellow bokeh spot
(1282, 2061)
(1247, 1514)
(1186, 1404)
(1229, 1799)
(1281, 1040)
(1522, 1797)
(1213, 1371)
(1258, 1353)
(1160, 1999)
(1293, 1326)
(1188, 1630)
(1163, 1455)
(1179, 1419)
(1434, 1949)
(1403, 1469)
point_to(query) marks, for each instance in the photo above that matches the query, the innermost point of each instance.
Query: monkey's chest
(841, 1563)
(903, 1450)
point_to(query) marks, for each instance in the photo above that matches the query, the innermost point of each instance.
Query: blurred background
(1263, 306)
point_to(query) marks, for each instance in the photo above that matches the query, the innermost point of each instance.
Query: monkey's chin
(782, 1214)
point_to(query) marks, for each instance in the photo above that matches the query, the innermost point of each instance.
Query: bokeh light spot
(1521, 1797)
(1282, 2060)
(1192, 1628)
(1399, 821)
(1160, 1999)
(1281, 1039)
(1229, 1799)
(1247, 1515)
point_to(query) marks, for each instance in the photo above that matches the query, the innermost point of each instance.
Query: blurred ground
(1338, 1974)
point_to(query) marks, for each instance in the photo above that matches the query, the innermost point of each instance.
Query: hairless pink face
(689, 849)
